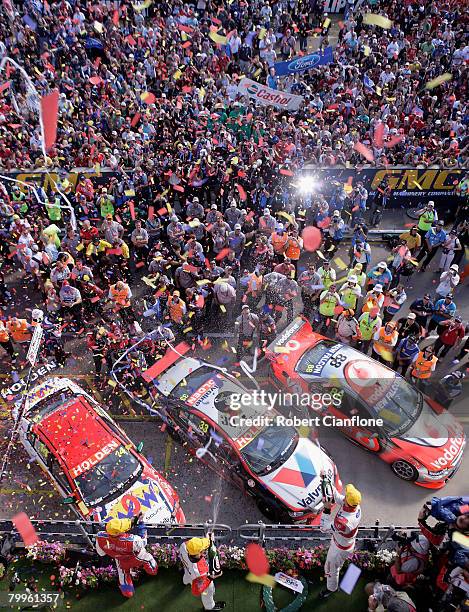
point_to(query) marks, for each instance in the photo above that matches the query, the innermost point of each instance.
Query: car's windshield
(396, 402)
(108, 476)
(50, 404)
(270, 448)
(312, 357)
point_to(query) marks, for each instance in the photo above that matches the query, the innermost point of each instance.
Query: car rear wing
(169, 358)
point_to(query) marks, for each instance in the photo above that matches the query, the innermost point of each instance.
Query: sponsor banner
(269, 97)
(338, 6)
(410, 187)
(303, 63)
(94, 459)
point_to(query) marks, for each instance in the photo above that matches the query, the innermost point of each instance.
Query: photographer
(412, 559)
(390, 600)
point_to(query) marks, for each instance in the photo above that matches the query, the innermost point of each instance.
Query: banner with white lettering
(306, 62)
(338, 6)
(269, 97)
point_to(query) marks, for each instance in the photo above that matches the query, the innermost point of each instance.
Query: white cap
(336, 213)
(237, 226)
(352, 278)
(454, 267)
(431, 203)
(421, 544)
(378, 287)
(195, 199)
(382, 264)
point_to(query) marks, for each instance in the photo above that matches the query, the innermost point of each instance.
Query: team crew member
(279, 240)
(293, 248)
(347, 327)
(246, 326)
(196, 572)
(412, 239)
(127, 549)
(385, 339)
(5, 340)
(406, 352)
(424, 365)
(369, 323)
(350, 292)
(344, 529)
(328, 301)
(427, 216)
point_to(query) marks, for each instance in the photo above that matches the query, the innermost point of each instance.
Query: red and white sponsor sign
(269, 97)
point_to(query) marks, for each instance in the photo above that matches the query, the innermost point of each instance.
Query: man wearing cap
(246, 327)
(267, 223)
(327, 274)
(406, 353)
(347, 327)
(379, 275)
(106, 203)
(385, 339)
(408, 326)
(423, 366)
(423, 308)
(450, 334)
(195, 209)
(350, 292)
(311, 286)
(197, 573)
(412, 239)
(233, 215)
(427, 216)
(278, 240)
(127, 549)
(111, 230)
(237, 241)
(435, 237)
(344, 529)
(448, 281)
(444, 310)
(328, 301)
(448, 249)
(374, 299)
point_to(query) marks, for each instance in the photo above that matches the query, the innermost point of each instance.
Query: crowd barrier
(81, 534)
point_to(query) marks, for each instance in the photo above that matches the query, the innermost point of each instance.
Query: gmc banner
(410, 187)
(269, 97)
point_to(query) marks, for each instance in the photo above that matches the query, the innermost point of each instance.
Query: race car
(282, 468)
(92, 463)
(421, 441)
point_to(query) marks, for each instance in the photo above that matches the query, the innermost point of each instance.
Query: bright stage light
(306, 184)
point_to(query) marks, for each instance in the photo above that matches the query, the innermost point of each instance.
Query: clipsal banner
(269, 97)
(338, 6)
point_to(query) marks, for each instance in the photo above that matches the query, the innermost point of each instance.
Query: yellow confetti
(98, 26)
(282, 213)
(142, 7)
(447, 76)
(177, 75)
(112, 383)
(417, 185)
(377, 20)
(262, 33)
(265, 579)
(326, 24)
(366, 50)
(220, 40)
(222, 308)
(129, 192)
(379, 91)
(187, 330)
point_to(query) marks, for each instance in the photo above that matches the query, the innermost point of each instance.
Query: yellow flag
(265, 579)
(377, 20)
(447, 76)
(220, 40)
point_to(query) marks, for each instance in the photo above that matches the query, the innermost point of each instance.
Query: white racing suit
(196, 574)
(344, 529)
(129, 552)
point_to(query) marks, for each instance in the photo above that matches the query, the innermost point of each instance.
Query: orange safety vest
(293, 250)
(120, 296)
(279, 242)
(371, 303)
(423, 367)
(384, 338)
(4, 335)
(254, 284)
(176, 310)
(19, 330)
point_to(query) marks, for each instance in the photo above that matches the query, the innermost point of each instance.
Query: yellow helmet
(196, 545)
(353, 497)
(117, 526)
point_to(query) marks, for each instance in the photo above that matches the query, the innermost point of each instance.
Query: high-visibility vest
(18, 330)
(327, 307)
(106, 207)
(423, 367)
(326, 278)
(4, 335)
(53, 210)
(425, 220)
(367, 327)
(371, 303)
(254, 284)
(176, 310)
(293, 249)
(120, 296)
(279, 242)
(384, 339)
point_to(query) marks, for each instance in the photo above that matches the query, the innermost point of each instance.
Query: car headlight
(439, 474)
(297, 514)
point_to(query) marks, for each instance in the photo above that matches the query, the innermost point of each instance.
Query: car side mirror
(68, 500)
(140, 447)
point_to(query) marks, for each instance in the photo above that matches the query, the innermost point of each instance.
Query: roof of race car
(74, 432)
(209, 391)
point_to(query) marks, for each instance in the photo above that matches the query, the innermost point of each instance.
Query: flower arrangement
(291, 561)
(47, 552)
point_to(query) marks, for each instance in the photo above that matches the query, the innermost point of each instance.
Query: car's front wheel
(269, 511)
(405, 470)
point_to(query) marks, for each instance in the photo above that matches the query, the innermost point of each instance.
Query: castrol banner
(269, 97)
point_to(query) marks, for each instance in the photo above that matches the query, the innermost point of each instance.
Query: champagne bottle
(213, 558)
(327, 490)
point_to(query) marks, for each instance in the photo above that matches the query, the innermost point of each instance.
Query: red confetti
(178, 188)
(49, 113)
(393, 141)
(312, 238)
(379, 135)
(222, 254)
(242, 192)
(286, 172)
(365, 151)
(256, 559)
(25, 528)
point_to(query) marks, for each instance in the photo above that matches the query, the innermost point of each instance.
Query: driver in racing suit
(127, 549)
(344, 529)
(197, 572)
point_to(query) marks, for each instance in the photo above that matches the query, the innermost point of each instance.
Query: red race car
(421, 440)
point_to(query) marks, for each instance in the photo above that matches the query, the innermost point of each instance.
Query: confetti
(364, 150)
(439, 80)
(377, 20)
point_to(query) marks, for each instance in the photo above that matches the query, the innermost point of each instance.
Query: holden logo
(251, 483)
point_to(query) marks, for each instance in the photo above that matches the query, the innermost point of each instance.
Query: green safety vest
(326, 279)
(106, 207)
(327, 308)
(425, 221)
(366, 329)
(349, 298)
(53, 211)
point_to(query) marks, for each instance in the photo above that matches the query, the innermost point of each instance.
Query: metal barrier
(81, 534)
